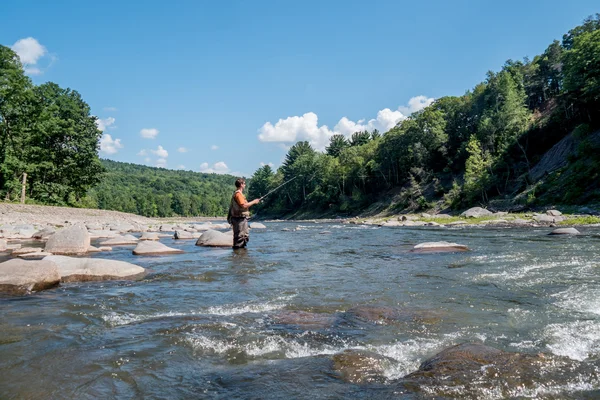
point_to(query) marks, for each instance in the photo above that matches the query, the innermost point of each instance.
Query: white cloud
(214, 147)
(112, 109)
(182, 150)
(160, 152)
(293, 129)
(32, 71)
(109, 145)
(262, 164)
(161, 162)
(148, 160)
(181, 166)
(149, 133)
(29, 50)
(142, 153)
(217, 168)
(103, 124)
(306, 127)
(415, 104)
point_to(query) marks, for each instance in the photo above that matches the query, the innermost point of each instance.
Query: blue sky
(228, 86)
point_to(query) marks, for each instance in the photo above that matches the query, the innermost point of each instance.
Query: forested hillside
(479, 148)
(488, 146)
(159, 192)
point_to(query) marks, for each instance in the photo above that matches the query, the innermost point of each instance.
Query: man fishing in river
(238, 212)
(238, 215)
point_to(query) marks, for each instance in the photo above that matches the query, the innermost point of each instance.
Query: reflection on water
(264, 322)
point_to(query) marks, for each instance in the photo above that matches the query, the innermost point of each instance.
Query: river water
(217, 324)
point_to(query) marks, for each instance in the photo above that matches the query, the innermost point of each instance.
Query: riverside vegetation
(526, 137)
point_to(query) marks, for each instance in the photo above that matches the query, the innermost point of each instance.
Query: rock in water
(150, 248)
(565, 231)
(358, 366)
(430, 247)
(214, 238)
(73, 240)
(473, 370)
(73, 269)
(22, 276)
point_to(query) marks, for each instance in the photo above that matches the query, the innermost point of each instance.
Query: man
(238, 214)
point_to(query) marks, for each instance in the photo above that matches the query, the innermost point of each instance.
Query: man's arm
(239, 198)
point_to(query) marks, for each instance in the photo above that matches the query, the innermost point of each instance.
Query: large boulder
(257, 225)
(150, 248)
(3, 246)
(22, 276)
(213, 238)
(73, 269)
(431, 247)
(476, 212)
(472, 370)
(72, 240)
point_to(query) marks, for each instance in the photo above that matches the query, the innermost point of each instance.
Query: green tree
(337, 143)
(15, 121)
(360, 138)
(582, 69)
(477, 176)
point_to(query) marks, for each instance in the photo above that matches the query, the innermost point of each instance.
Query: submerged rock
(358, 366)
(19, 276)
(472, 370)
(385, 315)
(73, 269)
(304, 319)
(430, 247)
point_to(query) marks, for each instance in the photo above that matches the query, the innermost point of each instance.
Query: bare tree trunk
(23, 187)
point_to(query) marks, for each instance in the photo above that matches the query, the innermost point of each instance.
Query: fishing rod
(284, 183)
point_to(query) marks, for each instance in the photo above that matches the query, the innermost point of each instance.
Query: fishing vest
(235, 210)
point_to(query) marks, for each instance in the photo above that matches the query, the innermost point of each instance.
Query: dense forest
(484, 147)
(478, 148)
(159, 192)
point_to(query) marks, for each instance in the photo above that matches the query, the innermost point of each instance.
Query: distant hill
(159, 192)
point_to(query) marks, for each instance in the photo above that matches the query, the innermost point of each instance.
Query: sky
(229, 86)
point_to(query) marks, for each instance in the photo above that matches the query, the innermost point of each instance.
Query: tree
(477, 176)
(582, 70)
(360, 138)
(337, 143)
(63, 147)
(15, 120)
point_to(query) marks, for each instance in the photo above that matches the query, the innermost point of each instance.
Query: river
(217, 324)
